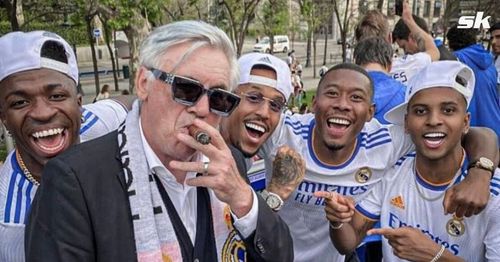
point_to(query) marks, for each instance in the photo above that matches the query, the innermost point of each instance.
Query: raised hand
(338, 208)
(220, 174)
(408, 243)
(288, 171)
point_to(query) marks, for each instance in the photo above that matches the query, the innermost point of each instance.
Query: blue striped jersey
(397, 201)
(17, 193)
(378, 147)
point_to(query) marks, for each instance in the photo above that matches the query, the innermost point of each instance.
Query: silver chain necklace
(25, 170)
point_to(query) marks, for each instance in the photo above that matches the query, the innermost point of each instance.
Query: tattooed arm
(422, 38)
(288, 171)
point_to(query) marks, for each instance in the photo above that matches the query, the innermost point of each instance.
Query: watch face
(485, 162)
(273, 202)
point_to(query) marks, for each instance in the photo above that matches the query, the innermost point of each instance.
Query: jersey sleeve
(101, 118)
(492, 238)
(371, 205)
(401, 143)
(277, 139)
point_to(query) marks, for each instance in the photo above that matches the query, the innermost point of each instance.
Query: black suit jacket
(81, 212)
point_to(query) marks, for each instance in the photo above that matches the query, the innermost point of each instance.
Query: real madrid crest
(455, 226)
(363, 175)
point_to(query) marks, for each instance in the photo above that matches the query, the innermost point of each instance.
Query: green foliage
(275, 17)
(74, 34)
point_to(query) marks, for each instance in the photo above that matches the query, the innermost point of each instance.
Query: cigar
(201, 136)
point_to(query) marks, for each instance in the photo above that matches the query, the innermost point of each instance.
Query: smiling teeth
(339, 121)
(255, 127)
(434, 135)
(50, 132)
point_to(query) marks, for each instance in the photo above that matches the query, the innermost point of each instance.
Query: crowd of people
(405, 148)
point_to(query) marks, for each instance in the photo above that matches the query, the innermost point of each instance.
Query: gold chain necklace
(421, 194)
(25, 170)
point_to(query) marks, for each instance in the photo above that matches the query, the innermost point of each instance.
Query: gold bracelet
(336, 227)
(439, 254)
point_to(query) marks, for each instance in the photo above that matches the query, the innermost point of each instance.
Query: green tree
(274, 20)
(239, 14)
(133, 18)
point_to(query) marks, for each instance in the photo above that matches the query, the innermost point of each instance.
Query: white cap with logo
(21, 51)
(452, 74)
(283, 83)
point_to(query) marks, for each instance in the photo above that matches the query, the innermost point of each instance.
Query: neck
(442, 170)
(328, 155)
(34, 168)
(375, 67)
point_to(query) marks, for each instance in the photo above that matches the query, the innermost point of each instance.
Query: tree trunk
(326, 48)
(11, 7)
(107, 35)
(314, 56)
(308, 50)
(135, 33)
(88, 20)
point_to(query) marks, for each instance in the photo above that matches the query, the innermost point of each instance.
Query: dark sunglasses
(257, 99)
(188, 92)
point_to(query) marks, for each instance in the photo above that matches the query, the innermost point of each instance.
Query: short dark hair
(373, 50)
(374, 23)
(348, 66)
(494, 27)
(460, 38)
(402, 31)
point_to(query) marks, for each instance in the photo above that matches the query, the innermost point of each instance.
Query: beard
(334, 147)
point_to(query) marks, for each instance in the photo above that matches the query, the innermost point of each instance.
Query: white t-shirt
(405, 67)
(397, 202)
(17, 193)
(378, 148)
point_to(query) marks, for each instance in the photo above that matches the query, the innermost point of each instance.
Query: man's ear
(141, 83)
(79, 99)
(406, 124)
(371, 112)
(466, 123)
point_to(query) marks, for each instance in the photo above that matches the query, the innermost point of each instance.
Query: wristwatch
(483, 163)
(273, 200)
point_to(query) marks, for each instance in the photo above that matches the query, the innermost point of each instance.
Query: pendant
(455, 226)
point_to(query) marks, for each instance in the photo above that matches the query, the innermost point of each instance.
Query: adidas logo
(265, 59)
(398, 202)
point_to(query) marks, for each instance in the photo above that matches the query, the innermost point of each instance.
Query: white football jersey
(17, 193)
(378, 148)
(405, 67)
(398, 201)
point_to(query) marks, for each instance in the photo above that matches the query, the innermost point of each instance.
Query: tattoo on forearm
(288, 167)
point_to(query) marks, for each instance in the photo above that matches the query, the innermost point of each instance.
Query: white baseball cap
(21, 51)
(451, 74)
(283, 83)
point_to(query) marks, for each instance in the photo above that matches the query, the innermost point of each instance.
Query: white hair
(196, 32)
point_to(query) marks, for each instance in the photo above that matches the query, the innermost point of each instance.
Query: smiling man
(265, 86)
(347, 152)
(41, 108)
(408, 200)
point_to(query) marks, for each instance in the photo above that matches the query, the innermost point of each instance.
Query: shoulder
(91, 152)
